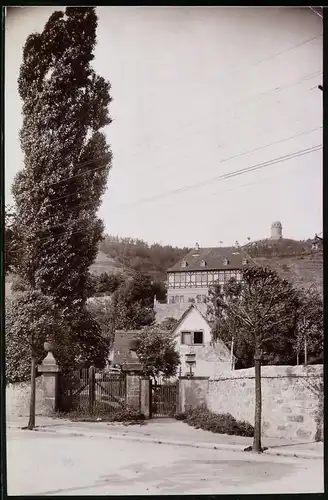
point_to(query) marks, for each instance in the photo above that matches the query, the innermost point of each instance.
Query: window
(181, 299)
(192, 338)
(199, 299)
(184, 263)
(202, 263)
(245, 262)
(171, 299)
(225, 262)
(193, 278)
(198, 279)
(204, 299)
(186, 338)
(176, 299)
(198, 337)
(204, 279)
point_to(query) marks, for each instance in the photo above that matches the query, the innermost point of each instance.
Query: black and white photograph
(163, 250)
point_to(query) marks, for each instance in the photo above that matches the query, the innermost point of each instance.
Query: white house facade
(193, 336)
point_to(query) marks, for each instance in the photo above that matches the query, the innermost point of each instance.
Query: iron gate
(91, 389)
(164, 398)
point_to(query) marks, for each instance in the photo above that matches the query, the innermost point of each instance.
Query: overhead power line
(209, 181)
(221, 161)
(231, 174)
(100, 158)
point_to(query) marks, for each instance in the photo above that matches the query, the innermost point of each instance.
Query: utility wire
(231, 174)
(257, 97)
(223, 177)
(230, 116)
(221, 161)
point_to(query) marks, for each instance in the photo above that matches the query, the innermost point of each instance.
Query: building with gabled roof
(193, 335)
(190, 278)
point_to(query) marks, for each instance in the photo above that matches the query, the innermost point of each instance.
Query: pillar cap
(49, 364)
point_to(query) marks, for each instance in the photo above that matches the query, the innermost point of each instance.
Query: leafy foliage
(156, 351)
(31, 319)
(65, 104)
(202, 418)
(258, 312)
(279, 248)
(13, 244)
(58, 193)
(28, 323)
(309, 323)
(169, 324)
(131, 306)
(137, 255)
(106, 284)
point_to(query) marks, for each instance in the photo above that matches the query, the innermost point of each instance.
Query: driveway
(54, 464)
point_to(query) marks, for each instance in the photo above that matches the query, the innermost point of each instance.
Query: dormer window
(202, 263)
(245, 261)
(184, 263)
(225, 262)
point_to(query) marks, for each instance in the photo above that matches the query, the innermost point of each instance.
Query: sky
(199, 92)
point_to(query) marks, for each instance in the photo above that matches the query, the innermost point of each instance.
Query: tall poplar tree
(66, 164)
(66, 158)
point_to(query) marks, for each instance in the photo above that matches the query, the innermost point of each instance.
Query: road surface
(42, 463)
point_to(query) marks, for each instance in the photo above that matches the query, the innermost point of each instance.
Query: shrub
(201, 417)
(180, 416)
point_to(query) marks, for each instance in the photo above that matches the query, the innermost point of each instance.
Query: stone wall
(292, 399)
(18, 399)
(192, 391)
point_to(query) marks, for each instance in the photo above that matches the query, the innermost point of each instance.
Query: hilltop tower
(276, 230)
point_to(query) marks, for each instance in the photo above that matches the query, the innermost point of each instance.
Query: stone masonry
(292, 399)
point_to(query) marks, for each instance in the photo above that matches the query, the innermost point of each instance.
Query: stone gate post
(145, 401)
(49, 381)
(133, 392)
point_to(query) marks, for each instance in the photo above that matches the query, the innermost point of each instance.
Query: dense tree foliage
(13, 244)
(137, 255)
(31, 319)
(279, 248)
(132, 305)
(155, 347)
(106, 283)
(58, 193)
(259, 315)
(66, 163)
(309, 326)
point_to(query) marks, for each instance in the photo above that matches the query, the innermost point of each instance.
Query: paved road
(53, 464)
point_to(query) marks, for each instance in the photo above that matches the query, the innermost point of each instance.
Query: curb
(201, 445)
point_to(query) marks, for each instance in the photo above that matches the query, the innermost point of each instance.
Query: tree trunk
(257, 447)
(31, 422)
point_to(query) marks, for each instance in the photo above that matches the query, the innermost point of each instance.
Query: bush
(180, 416)
(202, 418)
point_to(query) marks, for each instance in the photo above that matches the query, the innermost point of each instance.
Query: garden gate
(164, 398)
(91, 390)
